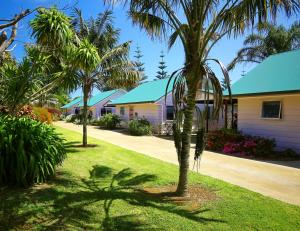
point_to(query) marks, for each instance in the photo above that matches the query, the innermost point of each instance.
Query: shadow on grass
(68, 203)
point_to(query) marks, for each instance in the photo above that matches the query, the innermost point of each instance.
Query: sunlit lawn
(112, 198)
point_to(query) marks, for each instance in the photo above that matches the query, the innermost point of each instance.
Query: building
(269, 100)
(98, 104)
(148, 101)
(71, 107)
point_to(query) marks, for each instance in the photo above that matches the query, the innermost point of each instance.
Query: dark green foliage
(139, 64)
(109, 121)
(140, 127)
(162, 73)
(232, 142)
(270, 39)
(29, 151)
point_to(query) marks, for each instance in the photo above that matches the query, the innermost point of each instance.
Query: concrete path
(277, 181)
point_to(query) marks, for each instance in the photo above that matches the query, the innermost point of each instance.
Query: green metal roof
(277, 74)
(72, 103)
(98, 98)
(148, 92)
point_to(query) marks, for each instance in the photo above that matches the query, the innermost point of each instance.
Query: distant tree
(269, 39)
(162, 73)
(139, 64)
(224, 84)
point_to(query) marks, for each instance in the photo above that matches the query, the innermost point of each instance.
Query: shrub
(233, 142)
(27, 111)
(29, 151)
(109, 121)
(139, 127)
(55, 113)
(42, 114)
(71, 118)
(216, 140)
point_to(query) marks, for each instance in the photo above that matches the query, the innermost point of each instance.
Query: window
(105, 111)
(271, 109)
(122, 111)
(170, 112)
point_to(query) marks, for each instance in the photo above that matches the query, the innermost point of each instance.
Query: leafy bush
(71, 118)
(55, 113)
(233, 142)
(29, 151)
(27, 111)
(42, 114)
(139, 127)
(109, 121)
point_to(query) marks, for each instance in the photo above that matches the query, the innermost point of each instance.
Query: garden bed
(235, 143)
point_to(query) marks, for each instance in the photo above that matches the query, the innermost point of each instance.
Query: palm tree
(88, 52)
(199, 24)
(269, 40)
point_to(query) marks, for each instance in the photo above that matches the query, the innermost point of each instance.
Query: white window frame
(122, 109)
(280, 110)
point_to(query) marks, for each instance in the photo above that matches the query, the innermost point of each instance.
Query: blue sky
(225, 50)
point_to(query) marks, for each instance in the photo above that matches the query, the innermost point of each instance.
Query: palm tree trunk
(86, 91)
(226, 114)
(186, 143)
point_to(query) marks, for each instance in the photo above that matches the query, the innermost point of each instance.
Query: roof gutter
(264, 93)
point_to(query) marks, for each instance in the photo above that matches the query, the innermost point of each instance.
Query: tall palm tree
(199, 24)
(269, 40)
(88, 52)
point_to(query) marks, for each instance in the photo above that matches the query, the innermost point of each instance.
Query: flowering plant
(232, 142)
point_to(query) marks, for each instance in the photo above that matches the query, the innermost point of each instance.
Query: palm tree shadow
(118, 187)
(70, 203)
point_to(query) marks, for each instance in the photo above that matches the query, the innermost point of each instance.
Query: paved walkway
(277, 181)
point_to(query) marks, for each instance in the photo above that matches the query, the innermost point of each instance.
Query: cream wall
(150, 111)
(286, 131)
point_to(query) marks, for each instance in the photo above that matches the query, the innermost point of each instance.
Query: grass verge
(102, 188)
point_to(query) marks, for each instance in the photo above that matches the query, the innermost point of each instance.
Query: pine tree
(139, 64)
(223, 84)
(162, 73)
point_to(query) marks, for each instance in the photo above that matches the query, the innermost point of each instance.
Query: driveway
(270, 179)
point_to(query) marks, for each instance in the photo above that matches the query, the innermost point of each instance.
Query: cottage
(72, 106)
(269, 100)
(98, 104)
(148, 101)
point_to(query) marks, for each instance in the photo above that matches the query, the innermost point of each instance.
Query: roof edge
(265, 93)
(128, 103)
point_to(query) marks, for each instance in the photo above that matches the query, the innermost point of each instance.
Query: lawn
(101, 188)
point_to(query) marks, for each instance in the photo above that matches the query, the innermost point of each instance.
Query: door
(131, 112)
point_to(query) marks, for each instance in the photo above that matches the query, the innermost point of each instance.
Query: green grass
(75, 201)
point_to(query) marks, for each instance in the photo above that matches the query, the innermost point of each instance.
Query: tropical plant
(90, 56)
(199, 24)
(22, 83)
(269, 40)
(42, 114)
(162, 73)
(139, 127)
(109, 121)
(29, 151)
